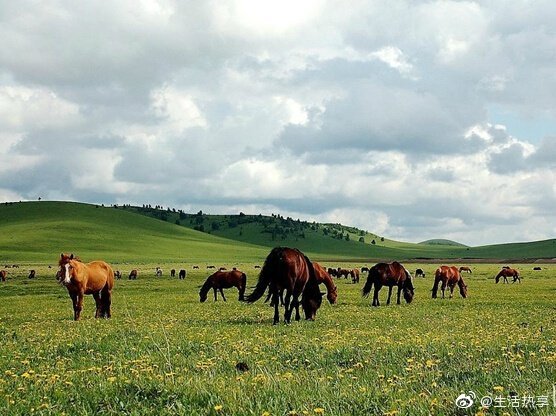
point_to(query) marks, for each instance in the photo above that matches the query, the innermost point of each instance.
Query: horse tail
(436, 281)
(243, 286)
(370, 280)
(272, 263)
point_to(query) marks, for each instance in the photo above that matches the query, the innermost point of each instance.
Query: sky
(410, 119)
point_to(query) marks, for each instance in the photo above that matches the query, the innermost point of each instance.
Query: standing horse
(465, 269)
(288, 269)
(32, 274)
(508, 272)
(133, 274)
(354, 275)
(95, 278)
(182, 274)
(389, 274)
(224, 280)
(3, 274)
(343, 272)
(449, 276)
(419, 273)
(322, 276)
(173, 273)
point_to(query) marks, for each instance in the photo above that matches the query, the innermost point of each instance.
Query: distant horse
(322, 276)
(32, 274)
(449, 276)
(332, 272)
(257, 266)
(3, 274)
(343, 272)
(173, 273)
(537, 268)
(389, 274)
(133, 274)
(289, 270)
(118, 274)
(158, 272)
(195, 267)
(223, 280)
(364, 269)
(354, 275)
(419, 273)
(95, 278)
(508, 272)
(182, 274)
(465, 269)
(222, 269)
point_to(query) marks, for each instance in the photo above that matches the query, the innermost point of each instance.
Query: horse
(343, 272)
(449, 276)
(32, 274)
(182, 274)
(354, 275)
(118, 274)
(223, 280)
(95, 278)
(195, 267)
(537, 268)
(508, 272)
(3, 274)
(332, 272)
(288, 269)
(323, 277)
(419, 273)
(133, 274)
(389, 274)
(173, 273)
(465, 269)
(158, 272)
(364, 269)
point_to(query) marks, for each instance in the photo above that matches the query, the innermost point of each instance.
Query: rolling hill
(39, 231)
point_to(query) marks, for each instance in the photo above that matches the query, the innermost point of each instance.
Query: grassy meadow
(165, 353)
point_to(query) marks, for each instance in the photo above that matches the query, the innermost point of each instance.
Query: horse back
(99, 275)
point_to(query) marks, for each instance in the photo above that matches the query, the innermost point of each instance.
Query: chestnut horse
(3, 274)
(224, 280)
(95, 278)
(508, 272)
(323, 277)
(354, 275)
(343, 272)
(389, 274)
(133, 274)
(288, 269)
(449, 276)
(465, 269)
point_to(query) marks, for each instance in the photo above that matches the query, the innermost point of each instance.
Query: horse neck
(206, 286)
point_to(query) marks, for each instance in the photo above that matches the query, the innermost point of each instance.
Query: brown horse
(133, 274)
(449, 276)
(182, 274)
(508, 272)
(354, 273)
(3, 274)
(323, 277)
(343, 272)
(465, 269)
(389, 274)
(332, 272)
(224, 280)
(95, 278)
(288, 269)
(32, 274)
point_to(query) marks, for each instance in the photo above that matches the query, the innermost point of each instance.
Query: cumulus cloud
(375, 115)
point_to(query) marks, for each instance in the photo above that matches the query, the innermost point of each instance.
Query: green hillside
(442, 242)
(39, 231)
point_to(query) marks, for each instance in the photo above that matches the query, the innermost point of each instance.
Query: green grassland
(165, 353)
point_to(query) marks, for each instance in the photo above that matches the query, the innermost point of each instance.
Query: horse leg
(451, 291)
(399, 293)
(389, 295)
(222, 293)
(375, 295)
(78, 306)
(275, 297)
(287, 308)
(107, 302)
(99, 312)
(214, 288)
(295, 304)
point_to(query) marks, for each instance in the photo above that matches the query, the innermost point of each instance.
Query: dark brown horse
(32, 274)
(332, 272)
(508, 272)
(289, 270)
(182, 274)
(3, 274)
(465, 269)
(343, 272)
(224, 280)
(95, 278)
(419, 273)
(354, 273)
(133, 274)
(389, 274)
(449, 276)
(323, 277)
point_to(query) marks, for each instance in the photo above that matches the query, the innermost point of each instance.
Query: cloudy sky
(411, 119)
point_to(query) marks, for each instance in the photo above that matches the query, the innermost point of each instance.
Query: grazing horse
(3, 274)
(449, 276)
(389, 274)
(288, 269)
(118, 274)
(343, 272)
(364, 269)
(32, 274)
(158, 272)
(419, 273)
(133, 274)
(223, 280)
(332, 272)
(323, 277)
(508, 272)
(537, 268)
(95, 278)
(182, 274)
(173, 273)
(195, 267)
(465, 269)
(354, 275)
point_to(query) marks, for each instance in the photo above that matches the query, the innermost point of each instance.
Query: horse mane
(373, 271)
(65, 258)
(206, 286)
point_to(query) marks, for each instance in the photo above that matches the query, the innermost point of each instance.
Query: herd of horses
(289, 276)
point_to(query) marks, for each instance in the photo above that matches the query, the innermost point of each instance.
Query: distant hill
(40, 231)
(443, 242)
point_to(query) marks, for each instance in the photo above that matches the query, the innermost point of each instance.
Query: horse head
(408, 288)
(311, 301)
